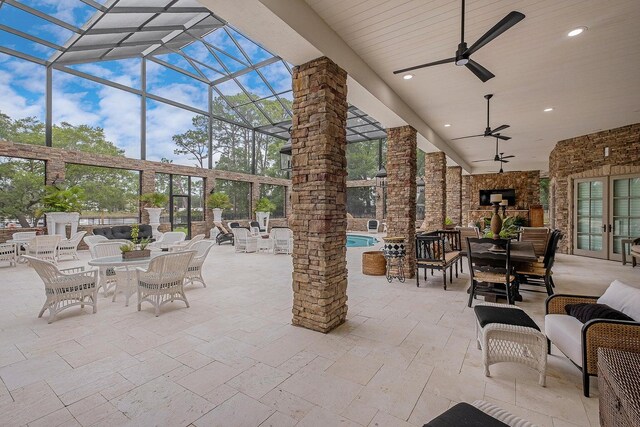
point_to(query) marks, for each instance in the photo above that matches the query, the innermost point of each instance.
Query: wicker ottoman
(619, 384)
(505, 333)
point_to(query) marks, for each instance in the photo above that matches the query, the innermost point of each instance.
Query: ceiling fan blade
(478, 161)
(499, 128)
(470, 136)
(502, 137)
(442, 61)
(480, 72)
(508, 157)
(507, 22)
(504, 161)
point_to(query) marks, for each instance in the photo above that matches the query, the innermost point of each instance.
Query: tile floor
(404, 355)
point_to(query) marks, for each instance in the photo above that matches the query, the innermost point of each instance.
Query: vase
(217, 214)
(154, 220)
(263, 220)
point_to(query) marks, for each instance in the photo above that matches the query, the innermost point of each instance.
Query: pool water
(355, 241)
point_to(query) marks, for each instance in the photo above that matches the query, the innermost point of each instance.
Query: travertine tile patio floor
(233, 359)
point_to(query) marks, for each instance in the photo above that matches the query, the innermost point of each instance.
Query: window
(276, 195)
(362, 160)
(361, 201)
(21, 187)
(239, 193)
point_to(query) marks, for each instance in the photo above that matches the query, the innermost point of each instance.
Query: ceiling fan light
(462, 61)
(576, 31)
(548, 109)
(407, 76)
(447, 125)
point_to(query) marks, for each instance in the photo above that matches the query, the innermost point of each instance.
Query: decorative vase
(57, 222)
(217, 214)
(263, 220)
(154, 220)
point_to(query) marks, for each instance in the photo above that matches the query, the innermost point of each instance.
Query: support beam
(143, 109)
(319, 220)
(48, 120)
(402, 144)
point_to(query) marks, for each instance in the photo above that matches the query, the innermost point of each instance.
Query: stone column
(318, 198)
(401, 190)
(466, 200)
(147, 185)
(287, 206)
(454, 194)
(255, 197)
(209, 187)
(54, 171)
(435, 171)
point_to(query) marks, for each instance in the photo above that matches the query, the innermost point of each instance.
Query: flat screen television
(507, 194)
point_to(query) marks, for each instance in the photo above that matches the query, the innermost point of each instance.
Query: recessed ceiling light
(407, 76)
(546, 110)
(447, 125)
(576, 31)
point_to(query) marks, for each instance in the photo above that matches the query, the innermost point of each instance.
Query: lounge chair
(224, 234)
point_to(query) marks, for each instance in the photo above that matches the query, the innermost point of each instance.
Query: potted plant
(62, 206)
(154, 203)
(217, 202)
(448, 224)
(136, 248)
(263, 210)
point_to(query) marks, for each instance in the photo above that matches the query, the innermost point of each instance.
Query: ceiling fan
(499, 157)
(488, 131)
(463, 54)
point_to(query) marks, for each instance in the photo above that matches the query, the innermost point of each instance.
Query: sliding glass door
(625, 212)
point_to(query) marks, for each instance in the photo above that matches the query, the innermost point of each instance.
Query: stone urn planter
(154, 220)
(57, 222)
(217, 214)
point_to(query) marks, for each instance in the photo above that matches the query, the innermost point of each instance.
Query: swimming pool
(358, 241)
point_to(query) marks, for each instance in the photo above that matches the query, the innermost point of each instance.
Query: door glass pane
(634, 227)
(596, 225)
(596, 242)
(596, 207)
(583, 225)
(583, 241)
(617, 245)
(620, 226)
(621, 207)
(635, 187)
(596, 189)
(634, 209)
(583, 207)
(180, 214)
(583, 190)
(621, 188)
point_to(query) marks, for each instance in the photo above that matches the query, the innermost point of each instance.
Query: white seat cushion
(566, 333)
(624, 298)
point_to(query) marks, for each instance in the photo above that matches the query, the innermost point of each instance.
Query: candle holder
(503, 205)
(496, 221)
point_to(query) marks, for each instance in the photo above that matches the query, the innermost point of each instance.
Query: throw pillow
(623, 298)
(586, 311)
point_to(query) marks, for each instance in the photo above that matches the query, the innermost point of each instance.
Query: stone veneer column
(454, 194)
(318, 198)
(466, 201)
(147, 185)
(54, 171)
(209, 187)
(255, 197)
(401, 190)
(435, 172)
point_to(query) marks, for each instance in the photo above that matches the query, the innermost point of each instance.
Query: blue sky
(81, 101)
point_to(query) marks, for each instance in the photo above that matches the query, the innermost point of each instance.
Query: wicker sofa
(580, 342)
(124, 232)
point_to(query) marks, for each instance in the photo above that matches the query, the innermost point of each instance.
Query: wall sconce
(381, 177)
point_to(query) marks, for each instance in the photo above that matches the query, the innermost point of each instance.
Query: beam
(30, 37)
(24, 56)
(151, 10)
(43, 15)
(48, 121)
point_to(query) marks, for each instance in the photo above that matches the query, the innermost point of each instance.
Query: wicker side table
(619, 384)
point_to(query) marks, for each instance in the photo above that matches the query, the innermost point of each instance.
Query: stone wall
(583, 157)
(319, 190)
(454, 194)
(435, 190)
(401, 190)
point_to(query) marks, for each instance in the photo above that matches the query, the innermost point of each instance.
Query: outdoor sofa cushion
(623, 298)
(566, 333)
(123, 232)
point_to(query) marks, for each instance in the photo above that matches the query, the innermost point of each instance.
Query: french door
(607, 211)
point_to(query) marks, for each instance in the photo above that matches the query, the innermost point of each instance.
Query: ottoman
(619, 385)
(505, 333)
(478, 414)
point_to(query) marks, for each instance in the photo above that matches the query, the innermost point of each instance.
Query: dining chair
(44, 247)
(282, 240)
(244, 241)
(69, 247)
(107, 275)
(65, 288)
(186, 245)
(539, 236)
(194, 272)
(431, 254)
(490, 269)
(9, 253)
(539, 273)
(163, 281)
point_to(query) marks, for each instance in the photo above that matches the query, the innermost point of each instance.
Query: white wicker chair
(244, 241)
(163, 281)
(168, 239)
(500, 342)
(92, 240)
(24, 235)
(194, 272)
(108, 278)
(69, 247)
(9, 252)
(282, 240)
(186, 245)
(44, 247)
(65, 288)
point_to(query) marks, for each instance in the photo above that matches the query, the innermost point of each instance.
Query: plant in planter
(264, 208)
(217, 202)
(62, 206)
(136, 248)
(154, 203)
(448, 223)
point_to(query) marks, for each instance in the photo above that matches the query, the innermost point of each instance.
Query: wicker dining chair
(282, 240)
(65, 288)
(107, 275)
(194, 272)
(539, 236)
(186, 245)
(163, 281)
(69, 247)
(9, 252)
(44, 247)
(244, 241)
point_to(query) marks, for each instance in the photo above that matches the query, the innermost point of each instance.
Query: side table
(619, 385)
